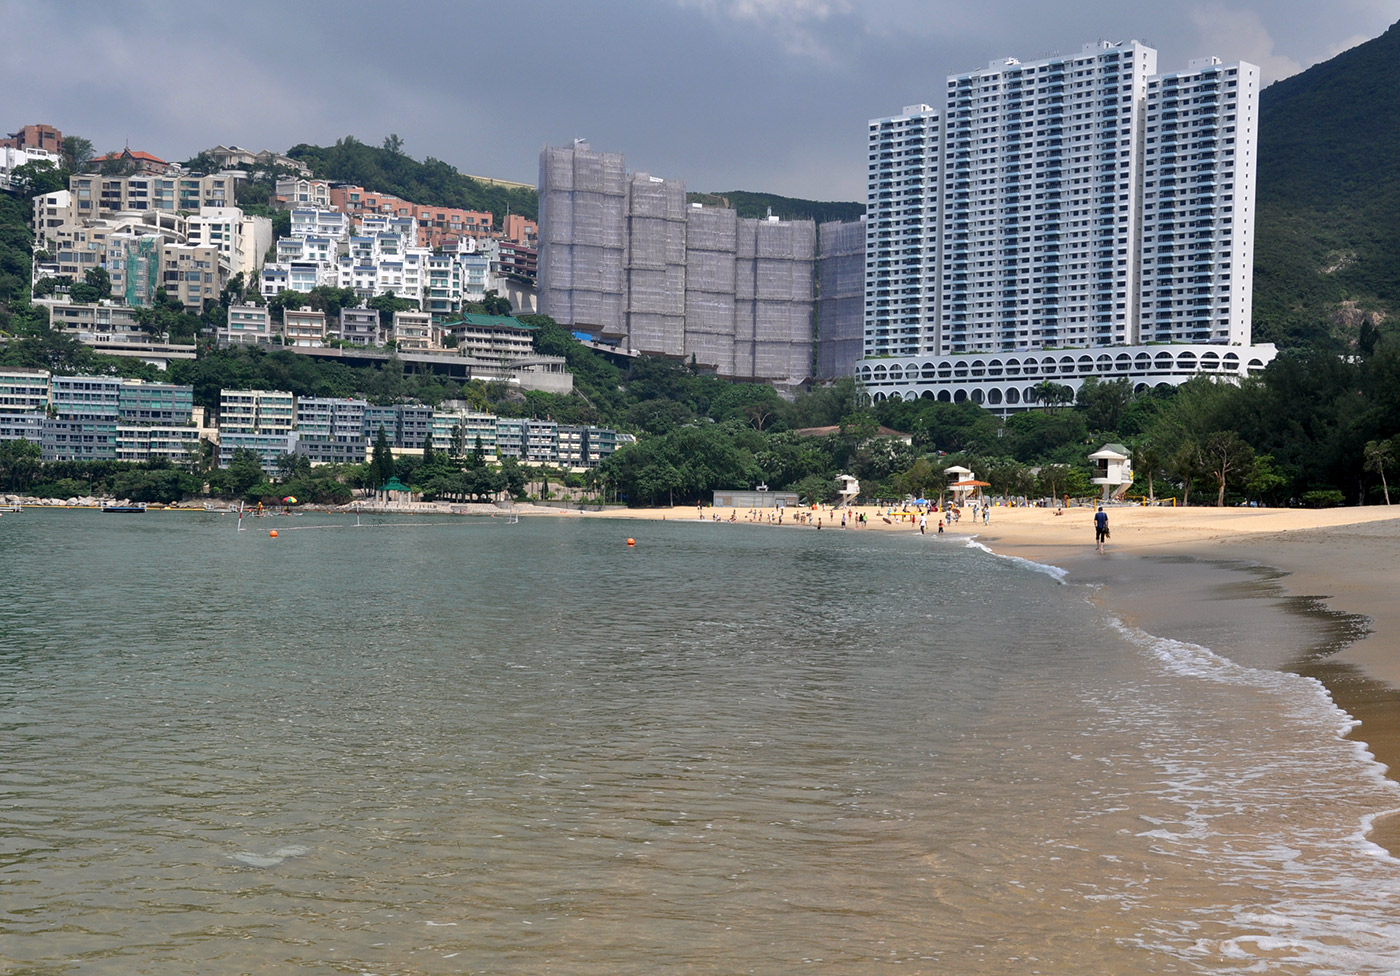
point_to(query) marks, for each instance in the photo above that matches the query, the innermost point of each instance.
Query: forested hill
(433, 183)
(786, 208)
(1327, 251)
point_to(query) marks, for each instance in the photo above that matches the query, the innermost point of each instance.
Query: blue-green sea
(460, 745)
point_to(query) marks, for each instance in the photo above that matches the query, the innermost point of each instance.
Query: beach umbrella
(290, 500)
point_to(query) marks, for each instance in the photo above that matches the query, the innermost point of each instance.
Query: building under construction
(841, 299)
(622, 256)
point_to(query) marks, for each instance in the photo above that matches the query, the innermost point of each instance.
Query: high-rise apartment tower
(1053, 219)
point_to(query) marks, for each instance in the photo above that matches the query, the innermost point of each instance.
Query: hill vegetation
(387, 169)
(1327, 251)
(784, 208)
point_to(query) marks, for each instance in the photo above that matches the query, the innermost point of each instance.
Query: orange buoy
(631, 542)
(273, 533)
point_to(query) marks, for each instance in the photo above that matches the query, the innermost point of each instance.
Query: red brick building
(34, 137)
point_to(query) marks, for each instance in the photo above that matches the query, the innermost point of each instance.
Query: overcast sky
(768, 95)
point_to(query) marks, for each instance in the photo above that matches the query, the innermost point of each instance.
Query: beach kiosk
(1115, 470)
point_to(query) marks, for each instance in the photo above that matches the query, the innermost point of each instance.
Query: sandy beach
(1302, 589)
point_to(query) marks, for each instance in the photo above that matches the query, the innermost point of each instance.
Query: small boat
(130, 509)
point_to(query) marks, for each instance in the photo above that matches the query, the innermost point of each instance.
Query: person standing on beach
(1100, 529)
(923, 523)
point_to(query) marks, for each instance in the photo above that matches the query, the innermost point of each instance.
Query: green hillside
(431, 183)
(786, 208)
(1327, 251)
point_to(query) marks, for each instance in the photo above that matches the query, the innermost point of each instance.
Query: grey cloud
(725, 94)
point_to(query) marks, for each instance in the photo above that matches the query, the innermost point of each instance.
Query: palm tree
(1378, 455)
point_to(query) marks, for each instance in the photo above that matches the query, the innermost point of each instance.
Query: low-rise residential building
(332, 430)
(247, 325)
(159, 404)
(23, 390)
(476, 428)
(414, 331)
(360, 326)
(95, 418)
(521, 230)
(493, 338)
(530, 441)
(585, 446)
(256, 411)
(296, 191)
(241, 238)
(37, 136)
(135, 160)
(323, 223)
(269, 447)
(303, 327)
(230, 157)
(96, 195)
(139, 443)
(518, 260)
(193, 273)
(109, 319)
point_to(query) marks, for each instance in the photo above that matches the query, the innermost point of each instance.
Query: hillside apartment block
(93, 418)
(1059, 219)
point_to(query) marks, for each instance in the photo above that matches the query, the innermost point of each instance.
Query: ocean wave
(1057, 573)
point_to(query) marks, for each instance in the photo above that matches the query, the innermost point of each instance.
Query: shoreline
(1300, 590)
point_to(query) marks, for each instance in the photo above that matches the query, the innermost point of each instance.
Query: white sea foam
(271, 859)
(1056, 573)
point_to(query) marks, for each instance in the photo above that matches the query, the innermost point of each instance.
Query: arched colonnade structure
(1005, 382)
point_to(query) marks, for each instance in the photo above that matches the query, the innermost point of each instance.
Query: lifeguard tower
(963, 483)
(848, 491)
(1115, 470)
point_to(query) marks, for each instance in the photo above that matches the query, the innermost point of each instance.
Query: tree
(244, 471)
(77, 152)
(389, 303)
(1104, 402)
(19, 464)
(1147, 460)
(918, 480)
(457, 448)
(1379, 455)
(1053, 395)
(429, 458)
(393, 144)
(99, 279)
(514, 477)
(1226, 456)
(36, 178)
(382, 459)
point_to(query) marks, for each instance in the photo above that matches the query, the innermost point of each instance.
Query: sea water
(469, 746)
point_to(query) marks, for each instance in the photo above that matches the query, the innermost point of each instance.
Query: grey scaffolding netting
(840, 298)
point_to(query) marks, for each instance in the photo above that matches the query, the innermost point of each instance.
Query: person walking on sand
(1100, 529)
(923, 523)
